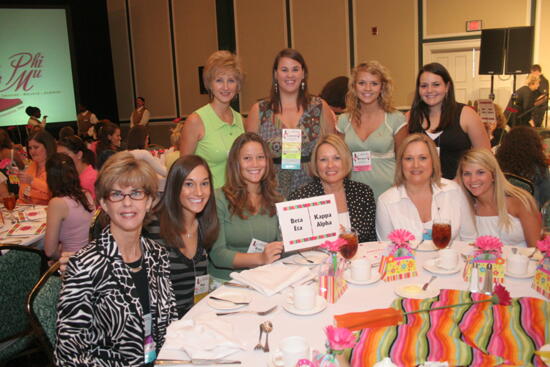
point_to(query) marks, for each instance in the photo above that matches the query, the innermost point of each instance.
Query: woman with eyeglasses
(420, 195)
(117, 298)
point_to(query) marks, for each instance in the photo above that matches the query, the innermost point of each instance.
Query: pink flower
(335, 245)
(501, 296)
(544, 245)
(400, 237)
(489, 244)
(339, 338)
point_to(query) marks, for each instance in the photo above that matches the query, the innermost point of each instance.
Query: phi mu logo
(25, 67)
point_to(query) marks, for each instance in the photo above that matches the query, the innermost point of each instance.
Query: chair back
(20, 269)
(42, 308)
(521, 182)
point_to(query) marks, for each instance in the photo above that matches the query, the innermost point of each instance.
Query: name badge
(202, 285)
(292, 149)
(149, 346)
(362, 161)
(256, 246)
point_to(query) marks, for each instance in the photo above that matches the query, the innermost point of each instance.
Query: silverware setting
(259, 346)
(425, 286)
(266, 326)
(228, 300)
(308, 260)
(260, 313)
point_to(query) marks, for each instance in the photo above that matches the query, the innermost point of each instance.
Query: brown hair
(235, 189)
(436, 165)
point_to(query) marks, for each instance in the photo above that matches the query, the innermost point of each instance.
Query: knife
(198, 362)
(231, 284)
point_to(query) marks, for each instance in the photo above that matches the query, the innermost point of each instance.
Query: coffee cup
(360, 270)
(304, 296)
(517, 264)
(447, 259)
(290, 351)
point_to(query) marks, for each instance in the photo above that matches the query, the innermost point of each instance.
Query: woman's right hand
(272, 252)
(64, 260)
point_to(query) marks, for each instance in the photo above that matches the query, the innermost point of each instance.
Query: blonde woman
(501, 209)
(420, 195)
(209, 131)
(372, 126)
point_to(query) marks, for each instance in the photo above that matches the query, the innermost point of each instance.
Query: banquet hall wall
(158, 46)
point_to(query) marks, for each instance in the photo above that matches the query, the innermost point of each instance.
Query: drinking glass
(9, 204)
(349, 250)
(441, 233)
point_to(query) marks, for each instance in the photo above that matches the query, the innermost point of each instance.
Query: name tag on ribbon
(362, 161)
(292, 149)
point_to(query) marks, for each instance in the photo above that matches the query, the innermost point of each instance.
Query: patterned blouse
(360, 200)
(99, 315)
(271, 131)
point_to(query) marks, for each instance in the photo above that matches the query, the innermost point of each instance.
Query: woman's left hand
(272, 252)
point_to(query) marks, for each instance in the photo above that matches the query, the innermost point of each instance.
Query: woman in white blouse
(420, 195)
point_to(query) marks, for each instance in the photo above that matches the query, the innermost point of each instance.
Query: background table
(356, 298)
(35, 240)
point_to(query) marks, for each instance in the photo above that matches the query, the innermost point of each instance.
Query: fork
(260, 313)
(228, 300)
(425, 286)
(308, 260)
(259, 345)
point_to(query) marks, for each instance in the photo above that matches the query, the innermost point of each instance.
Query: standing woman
(209, 131)
(69, 210)
(501, 209)
(454, 127)
(246, 210)
(372, 127)
(33, 187)
(188, 226)
(83, 160)
(117, 300)
(290, 106)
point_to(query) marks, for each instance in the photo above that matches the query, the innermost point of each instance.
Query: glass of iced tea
(9, 204)
(441, 233)
(349, 249)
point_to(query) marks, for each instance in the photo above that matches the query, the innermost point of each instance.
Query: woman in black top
(453, 127)
(331, 166)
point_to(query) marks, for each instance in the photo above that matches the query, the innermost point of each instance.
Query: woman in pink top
(83, 160)
(69, 211)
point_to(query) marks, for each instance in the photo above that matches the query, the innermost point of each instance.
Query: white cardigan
(396, 210)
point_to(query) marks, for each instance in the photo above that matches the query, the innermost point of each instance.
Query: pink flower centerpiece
(400, 239)
(333, 247)
(338, 340)
(544, 246)
(488, 245)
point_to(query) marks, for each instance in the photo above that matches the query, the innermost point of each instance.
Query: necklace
(136, 269)
(194, 231)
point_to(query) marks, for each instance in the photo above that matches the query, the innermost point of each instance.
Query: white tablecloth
(356, 298)
(35, 240)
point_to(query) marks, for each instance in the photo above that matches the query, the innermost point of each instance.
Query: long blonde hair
(501, 186)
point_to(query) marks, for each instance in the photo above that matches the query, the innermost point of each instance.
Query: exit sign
(474, 25)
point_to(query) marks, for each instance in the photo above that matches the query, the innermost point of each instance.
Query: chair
(20, 269)
(42, 309)
(521, 182)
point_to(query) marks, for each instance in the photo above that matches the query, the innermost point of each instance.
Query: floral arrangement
(400, 239)
(338, 340)
(488, 245)
(333, 247)
(544, 246)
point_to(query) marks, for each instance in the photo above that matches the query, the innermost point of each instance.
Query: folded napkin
(272, 278)
(205, 337)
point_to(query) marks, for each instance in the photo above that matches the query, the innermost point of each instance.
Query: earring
(276, 85)
(303, 85)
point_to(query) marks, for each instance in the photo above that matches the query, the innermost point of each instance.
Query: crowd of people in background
(165, 226)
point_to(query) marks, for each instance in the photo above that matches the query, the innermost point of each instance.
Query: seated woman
(10, 161)
(420, 195)
(331, 166)
(33, 188)
(502, 209)
(246, 210)
(188, 227)
(83, 159)
(70, 209)
(117, 298)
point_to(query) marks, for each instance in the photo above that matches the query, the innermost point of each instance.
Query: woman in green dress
(249, 231)
(372, 127)
(209, 131)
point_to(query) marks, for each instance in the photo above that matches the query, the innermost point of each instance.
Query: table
(21, 213)
(356, 298)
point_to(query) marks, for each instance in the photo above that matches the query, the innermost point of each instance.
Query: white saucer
(531, 269)
(431, 266)
(275, 359)
(375, 276)
(426, 246)
(316, 256)
(402, 291)
(320, 305)
(231, 295)
(525, 251)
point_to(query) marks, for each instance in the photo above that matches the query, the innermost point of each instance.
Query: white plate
(426, 246)
(431, 266)
(525, 251)
(432, 291)
(275, 359)
(531, 269)
(320, 305)
(316, 256)
(231, 295)
(374, 277)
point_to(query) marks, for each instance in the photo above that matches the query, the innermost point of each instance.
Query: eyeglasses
(116, 195)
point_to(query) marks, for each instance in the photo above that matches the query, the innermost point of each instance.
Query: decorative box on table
(489, 251)
(541, 281)
(332, 284)
(400, 262)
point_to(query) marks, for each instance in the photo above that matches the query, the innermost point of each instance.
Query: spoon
(266, 326)
(425, 286)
